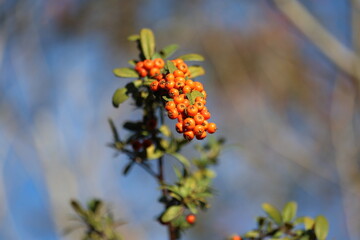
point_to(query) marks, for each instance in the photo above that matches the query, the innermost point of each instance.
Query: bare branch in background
(343, 57)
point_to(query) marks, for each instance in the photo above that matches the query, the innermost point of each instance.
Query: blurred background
(283, 85)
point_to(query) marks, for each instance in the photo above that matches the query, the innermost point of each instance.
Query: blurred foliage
(285, 225)
(97, 220)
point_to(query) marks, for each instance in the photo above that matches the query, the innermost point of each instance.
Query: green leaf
(114, 130)
(128, 168)
(252, 234)
(196, 71)
(133, 37)
(169, 50)
(167, 99)
(171, 213)
(272, 212)
(164, 129)
(192, 57)
(153, 153)
(119, 96)
(78, 209)
(171, 66)
(192, 208)
(147, 41)
(156, 55)
(308, 222)
(191, 96)
(132, 62)
(289, 211)
(181, 158)
(321, 227)
(125, 73)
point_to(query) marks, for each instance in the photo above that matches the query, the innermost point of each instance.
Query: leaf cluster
(98, 222)
(285, 225)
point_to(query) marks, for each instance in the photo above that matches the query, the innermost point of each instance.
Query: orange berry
(211, 128)
(204, 93)
(170, 77)
(186, 89)
(148, 64)
(189, 135)
(236, 237)
(198, 130)
(139, 65)
(200, 99)
(173, 93)
(202, 136)
(154, 72)
(179, 85)
(159, 77)
(189, 123)
(181, 107)
(199, 119)
(180, 79)
(154, 85)
(205, 124)
(177, 61)
(206, 114)
(191, 110)
(179, 127)
(162, 84)
(191, 218)
(173, 113)
(199, 105)
(198, 86)
(190, 83)
(183, 67)
(170, 105)
(186, 102)
(180, 118)
(159, 63)
(178, 73)
(179, 99)
(169, 85)
(142, 72)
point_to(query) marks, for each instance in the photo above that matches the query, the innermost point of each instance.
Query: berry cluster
(192, 114)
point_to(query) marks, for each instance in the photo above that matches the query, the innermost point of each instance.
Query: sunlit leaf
(156, 55)
(169, 50)
(289, 211)
(147, 41)
(191, 96)
(252, 234)
(196, 71)
(192, 57)
(125, 73)
(321, 227)
(308, 222)
(153, 153)
(171, 66)
(164, 129)
(272, 212)
(119, 96)
(171, 213)
(133, 37)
